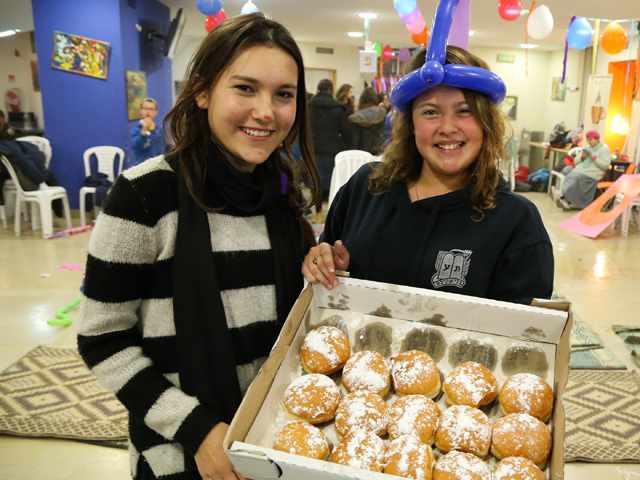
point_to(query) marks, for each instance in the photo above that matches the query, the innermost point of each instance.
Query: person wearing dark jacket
(435, 213)
(330, 131)
(368, 124)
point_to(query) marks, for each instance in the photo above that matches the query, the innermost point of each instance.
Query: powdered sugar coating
(517, 468)
(471, 384)
(408, 457)
(325, 350)
(302, 438)
(414, 415)
(313, 398)
(362, 410)
(415, 372)
(367, 370)
(527, 393)
(521, 435)
(361, 449)
(464, 428)
(460, 466)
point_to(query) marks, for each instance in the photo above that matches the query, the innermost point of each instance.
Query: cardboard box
(500, 329)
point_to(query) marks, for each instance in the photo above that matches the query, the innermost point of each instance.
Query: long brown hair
(342, 95)
(189, 124)
(403, 162)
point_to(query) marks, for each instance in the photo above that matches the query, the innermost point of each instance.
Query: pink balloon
(509, 9)
(416, 27)
(387, 52)
(411, 17)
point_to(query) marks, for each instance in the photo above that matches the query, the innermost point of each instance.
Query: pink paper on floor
(591, 221)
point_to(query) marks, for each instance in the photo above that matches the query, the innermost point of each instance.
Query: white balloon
(540, 22)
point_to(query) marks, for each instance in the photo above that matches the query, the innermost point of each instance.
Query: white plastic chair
(43, 144)
(508, 166)
(108, 157)
(626, 214)
(44, 197)
(554, 188)
(9, 187)
(346, 164)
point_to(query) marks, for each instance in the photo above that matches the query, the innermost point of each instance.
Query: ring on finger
(315, 260)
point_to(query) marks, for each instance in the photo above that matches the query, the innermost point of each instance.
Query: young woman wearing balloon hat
(435, 213)
(194, 262)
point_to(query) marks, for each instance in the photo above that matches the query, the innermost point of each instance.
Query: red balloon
(212, 21)
(387, 52)
(421, 38)
(509, 9)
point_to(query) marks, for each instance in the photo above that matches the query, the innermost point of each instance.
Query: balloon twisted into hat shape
(434, 71)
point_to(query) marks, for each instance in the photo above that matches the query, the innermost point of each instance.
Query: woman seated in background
(368, 130)
(579, 187)
(435, 213)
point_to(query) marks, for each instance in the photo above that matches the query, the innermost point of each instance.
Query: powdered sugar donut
(324, 350)
(414, 415)
(521, 435)
(312, 398)
(408, 457)
(415, 372)
(527, 393)
(360, 449)
(362, 410)
(470, 384)
(464, 428)
(460, 466)
(302, 438)
(517, 468)
(367, 370)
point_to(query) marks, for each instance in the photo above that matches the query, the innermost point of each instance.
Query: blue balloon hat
(434, 71)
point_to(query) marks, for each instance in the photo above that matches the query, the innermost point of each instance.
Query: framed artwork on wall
(80, 55)
(558, 89)
(136, 92)
(510, 106)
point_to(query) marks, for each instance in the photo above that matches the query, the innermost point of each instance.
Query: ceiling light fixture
(368, 15)
(355, 34)
(528, 45)
(7, 33)
(471, 32)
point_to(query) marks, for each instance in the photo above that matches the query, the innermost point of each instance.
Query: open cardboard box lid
(546, 322)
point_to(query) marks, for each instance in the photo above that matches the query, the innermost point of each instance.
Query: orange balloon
(420, 38)
(613, 38)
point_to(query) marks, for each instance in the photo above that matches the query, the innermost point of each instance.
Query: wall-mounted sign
(368, 62)
(504, 58)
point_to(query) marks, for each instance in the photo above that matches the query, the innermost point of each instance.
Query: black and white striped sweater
(127, 332)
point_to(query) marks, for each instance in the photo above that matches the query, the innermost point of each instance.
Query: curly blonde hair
(403, 162)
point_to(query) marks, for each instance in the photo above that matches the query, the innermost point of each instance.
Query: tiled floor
(600, 276)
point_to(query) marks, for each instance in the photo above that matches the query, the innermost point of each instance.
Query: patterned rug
(50, 392)
(602, 410)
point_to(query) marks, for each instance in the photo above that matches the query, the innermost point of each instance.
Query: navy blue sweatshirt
(435, 243)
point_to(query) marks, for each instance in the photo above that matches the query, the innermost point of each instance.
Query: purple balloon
(434, 71)
(412, 17)
(404, 54)
(209, 7)
(417, 27)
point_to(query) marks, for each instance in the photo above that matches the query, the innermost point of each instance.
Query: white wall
(20, 68)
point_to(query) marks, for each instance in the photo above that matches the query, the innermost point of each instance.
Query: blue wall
(82, 111)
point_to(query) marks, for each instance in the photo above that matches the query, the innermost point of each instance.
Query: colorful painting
(80, 55)
(558, 89)
(136, 92)
(510, 106)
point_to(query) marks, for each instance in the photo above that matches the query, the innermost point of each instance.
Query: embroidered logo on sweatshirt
(451, 268)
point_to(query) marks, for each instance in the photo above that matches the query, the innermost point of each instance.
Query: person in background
(194, 261)
(147, 139)
(345, 96)
(579, 186)
(367, 124)
(330, 135)
(6, 132)
(435, 213)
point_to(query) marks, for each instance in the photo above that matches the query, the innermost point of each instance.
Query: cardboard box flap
(513, 320)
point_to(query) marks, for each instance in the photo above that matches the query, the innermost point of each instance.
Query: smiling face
(447, 135)
(252, 107)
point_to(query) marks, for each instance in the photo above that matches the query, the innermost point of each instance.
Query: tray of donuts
(368, 395)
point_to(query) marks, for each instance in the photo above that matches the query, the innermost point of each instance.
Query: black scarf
(207, 366)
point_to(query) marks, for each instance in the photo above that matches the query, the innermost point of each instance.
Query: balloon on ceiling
(540, 22)
(509, 9)
(410, 15)
(434, 71)
(579, 33)
(209, 7)
(613, 38)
